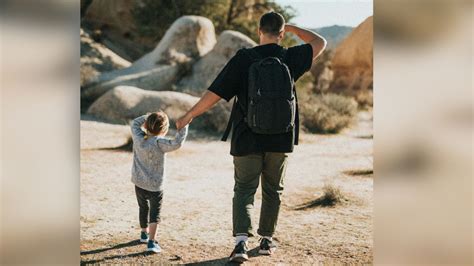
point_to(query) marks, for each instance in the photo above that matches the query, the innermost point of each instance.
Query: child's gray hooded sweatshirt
(148, 170)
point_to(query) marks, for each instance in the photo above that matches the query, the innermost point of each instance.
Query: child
(148, 170)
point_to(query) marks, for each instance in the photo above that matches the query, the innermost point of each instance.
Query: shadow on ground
(119, 246)
(218, 261)
(143, 253)
(122, 245)
(225, 260)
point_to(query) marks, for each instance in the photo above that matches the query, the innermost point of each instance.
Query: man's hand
(183, 121)
(205, 103)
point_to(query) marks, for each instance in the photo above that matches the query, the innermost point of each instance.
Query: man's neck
(263, 42)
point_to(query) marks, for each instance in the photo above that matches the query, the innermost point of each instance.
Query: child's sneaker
(239, 254)
(153, 246)
(144, 237)
(266, 246)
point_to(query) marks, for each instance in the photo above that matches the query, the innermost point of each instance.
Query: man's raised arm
(208, 100)
(317, 42)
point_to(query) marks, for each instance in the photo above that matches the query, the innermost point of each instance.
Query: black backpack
(271, 102)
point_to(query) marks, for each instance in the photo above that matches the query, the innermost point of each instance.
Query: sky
(320, 13)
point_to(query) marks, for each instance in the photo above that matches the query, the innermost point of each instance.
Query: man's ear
(281, 35)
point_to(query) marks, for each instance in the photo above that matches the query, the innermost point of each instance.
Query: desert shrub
(331, 196)
(329, 113)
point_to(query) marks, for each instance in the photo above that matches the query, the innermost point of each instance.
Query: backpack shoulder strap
(231, 121)
(297, 120)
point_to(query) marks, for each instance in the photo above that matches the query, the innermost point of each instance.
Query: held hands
(183, 121)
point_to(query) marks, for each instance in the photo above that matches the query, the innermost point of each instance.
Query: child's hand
(183, 121)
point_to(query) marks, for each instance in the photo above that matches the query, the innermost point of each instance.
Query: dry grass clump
(329, 113)
(359, 172)
(330, 197)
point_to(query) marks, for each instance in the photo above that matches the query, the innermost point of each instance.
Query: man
(255, 154)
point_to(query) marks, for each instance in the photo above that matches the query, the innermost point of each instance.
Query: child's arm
(167, 145)
(136, 126)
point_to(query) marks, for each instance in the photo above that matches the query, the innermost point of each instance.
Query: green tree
(153, 17)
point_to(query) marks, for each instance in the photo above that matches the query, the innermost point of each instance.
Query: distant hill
(334, 34)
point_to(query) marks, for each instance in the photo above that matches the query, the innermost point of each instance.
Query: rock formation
(353, 61)
(96, 58)
(188, 39)
(124, 103)
(207, 68)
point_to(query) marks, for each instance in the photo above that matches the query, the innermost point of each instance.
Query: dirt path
(196, 226)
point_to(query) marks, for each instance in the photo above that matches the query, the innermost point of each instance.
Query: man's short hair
(272, 23)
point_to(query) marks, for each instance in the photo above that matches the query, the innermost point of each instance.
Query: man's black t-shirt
(233, 81)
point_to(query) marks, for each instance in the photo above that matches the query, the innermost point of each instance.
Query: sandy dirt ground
(196, 215)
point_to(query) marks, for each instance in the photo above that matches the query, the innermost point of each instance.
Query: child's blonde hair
(156, 123)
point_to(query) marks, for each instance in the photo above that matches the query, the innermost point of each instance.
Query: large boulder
(188, 38)
(96, 58)
(207, 68)
(353, 61)
(124, 103)
(161, 77)
(115, 23)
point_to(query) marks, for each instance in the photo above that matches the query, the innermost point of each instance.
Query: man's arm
(208, 100)
(317, 42)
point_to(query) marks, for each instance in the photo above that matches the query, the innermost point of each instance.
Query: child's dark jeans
(153, 210)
